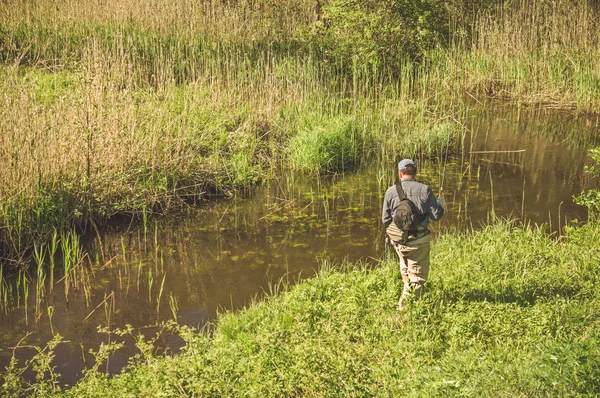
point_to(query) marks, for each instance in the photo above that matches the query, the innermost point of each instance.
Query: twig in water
(98, 306)
(517, 151)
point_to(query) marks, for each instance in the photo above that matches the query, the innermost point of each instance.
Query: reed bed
(130, 108)
(536, 51)
(82, 147)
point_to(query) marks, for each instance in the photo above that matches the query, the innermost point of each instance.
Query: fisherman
(412, 246)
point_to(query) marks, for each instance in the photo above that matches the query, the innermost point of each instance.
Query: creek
(520, 163)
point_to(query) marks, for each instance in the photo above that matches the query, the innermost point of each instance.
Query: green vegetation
(133, 107)
(508, 311)
(333, 144)
(591, 198)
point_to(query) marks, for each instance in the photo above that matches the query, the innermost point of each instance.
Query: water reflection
(219, 257)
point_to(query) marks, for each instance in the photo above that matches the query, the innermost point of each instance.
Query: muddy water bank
(518, 163)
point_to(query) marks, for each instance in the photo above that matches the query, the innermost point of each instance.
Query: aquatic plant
(173, 305)
(72, 257)
(591, 198)
(160, 292)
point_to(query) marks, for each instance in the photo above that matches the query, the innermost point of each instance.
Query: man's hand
(440, 201)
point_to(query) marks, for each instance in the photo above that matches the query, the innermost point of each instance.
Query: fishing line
(445, 162)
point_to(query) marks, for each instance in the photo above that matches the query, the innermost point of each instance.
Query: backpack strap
(400, 191)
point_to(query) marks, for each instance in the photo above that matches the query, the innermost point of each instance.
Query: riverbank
(508, 310)
(133, 110)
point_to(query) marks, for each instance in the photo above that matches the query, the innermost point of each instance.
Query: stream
(518, 163)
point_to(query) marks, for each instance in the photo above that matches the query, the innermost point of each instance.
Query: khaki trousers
(414, 265)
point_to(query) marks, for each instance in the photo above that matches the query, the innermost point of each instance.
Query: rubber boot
(405, 293)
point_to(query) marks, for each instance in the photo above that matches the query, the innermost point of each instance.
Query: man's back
(418, 193)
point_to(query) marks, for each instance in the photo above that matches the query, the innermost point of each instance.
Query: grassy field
(507, 311)
(129, 108)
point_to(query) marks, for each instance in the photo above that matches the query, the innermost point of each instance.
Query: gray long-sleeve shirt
(418, 193)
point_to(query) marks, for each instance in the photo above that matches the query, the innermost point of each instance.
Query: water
(220, 256)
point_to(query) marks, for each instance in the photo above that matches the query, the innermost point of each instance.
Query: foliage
(374, 32)
(386, 33)
(591, 198)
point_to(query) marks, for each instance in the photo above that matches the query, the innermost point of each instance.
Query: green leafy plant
(591, 198)
(381, 32)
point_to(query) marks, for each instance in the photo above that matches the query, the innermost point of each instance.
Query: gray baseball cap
(404, 163)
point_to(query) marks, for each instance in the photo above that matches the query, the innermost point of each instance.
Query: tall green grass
(326, 144)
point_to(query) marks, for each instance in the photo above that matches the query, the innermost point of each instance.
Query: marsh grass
(138, 108)
(533, 51)
(111, 150)
(325, 144)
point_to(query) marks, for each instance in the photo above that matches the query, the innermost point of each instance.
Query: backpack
(407, 216)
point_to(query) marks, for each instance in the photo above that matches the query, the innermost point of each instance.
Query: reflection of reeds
(4, 291)
(20, 276)
(53, 246)
(86, 284)
(523, 201)
(25, 285)
(150, 282)
(493, 208)
(139, 274)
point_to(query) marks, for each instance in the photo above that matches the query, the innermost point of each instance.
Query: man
(412, 247)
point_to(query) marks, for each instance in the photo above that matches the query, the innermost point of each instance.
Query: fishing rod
(446, 154)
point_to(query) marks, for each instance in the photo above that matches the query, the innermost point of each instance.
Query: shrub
(376, 31)
(385, 32)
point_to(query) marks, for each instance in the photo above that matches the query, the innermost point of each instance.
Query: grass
(508, 311)
(330, 144)
(550, 62)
